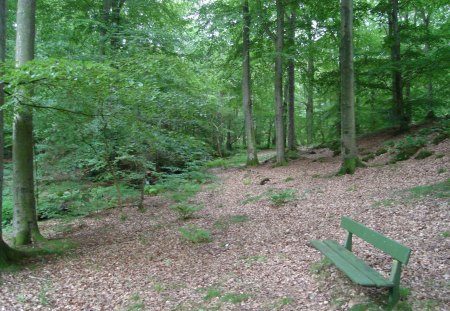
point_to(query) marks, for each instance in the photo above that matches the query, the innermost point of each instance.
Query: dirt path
(259, 258)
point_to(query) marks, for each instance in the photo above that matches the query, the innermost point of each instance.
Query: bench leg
(394, 292)
(394, 296)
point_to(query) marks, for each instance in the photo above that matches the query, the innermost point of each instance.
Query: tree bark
(292, 144)
(252, 158)
(348, 137)
(397, 87)
(25, 226)
(105, 15)
(430, 111)
(279, 124)
(2, 101)
(310, 90)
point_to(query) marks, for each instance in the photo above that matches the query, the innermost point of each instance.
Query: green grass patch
(235, 298)
(224, 222)
(186, 211)
(438, 190)
(195, 234)
(211, 293)
(251, 199)
(280, 303)
(408, 146)
(384, 202)
(180, 187)
(281, 197)
(237, 160)
(251, 260)
(423, 154)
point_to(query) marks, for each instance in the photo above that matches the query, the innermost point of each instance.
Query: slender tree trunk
(292, 144)
(269, 135)
(310, 101)
(279, 126)
(397, 92)
(348, 138)
(430, 112)
(25, 226)
(3, 14)
(4, 249)
(117, 6)
(105, 15)
(252, 158)
(285, 107)
(310, 70)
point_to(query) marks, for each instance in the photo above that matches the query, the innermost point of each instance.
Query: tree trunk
(430, 110)
(279, 126)
(269, 135)
(310, 101)
(25, 226)
(4, 258)
(105, 21)
(348, 138)
(397, 92)
(115, 23)
(292, 144)
(2, 101)
(252, 158)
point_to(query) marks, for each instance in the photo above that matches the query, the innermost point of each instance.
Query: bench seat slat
(355, 268)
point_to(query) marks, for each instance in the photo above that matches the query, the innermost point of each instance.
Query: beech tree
(279, 120)
(397, 85)
(5, 251)
(349, 151)
(291, 83)
(25, 226)
(252, 158)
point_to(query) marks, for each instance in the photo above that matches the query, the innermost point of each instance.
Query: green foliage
(438, 190)
(195, 235)
(180, 187)
(445, 234)
(280, 303)
(224, 222)
(66, 199)
(186, 211)
(136, 303)
(236, 160)
(251, 199)
(407, 147)
(368, 157)
(235, 298)
(281, 197)
(211, 293)
(254, 259)
(423, 154)
(292, 155)
(381, 151)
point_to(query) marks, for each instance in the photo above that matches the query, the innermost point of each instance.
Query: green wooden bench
(355, 268)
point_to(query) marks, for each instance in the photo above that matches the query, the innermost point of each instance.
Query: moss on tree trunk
(350, 165)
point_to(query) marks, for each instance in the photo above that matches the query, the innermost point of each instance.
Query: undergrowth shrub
(186, 211)
(281, 197)
(180, 187)
(195, 234)
(423, 154)
(408, 146)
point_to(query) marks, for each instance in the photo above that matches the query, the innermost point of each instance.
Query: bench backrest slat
(391, 247)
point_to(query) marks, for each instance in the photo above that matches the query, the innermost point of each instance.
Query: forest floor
(259, 257)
